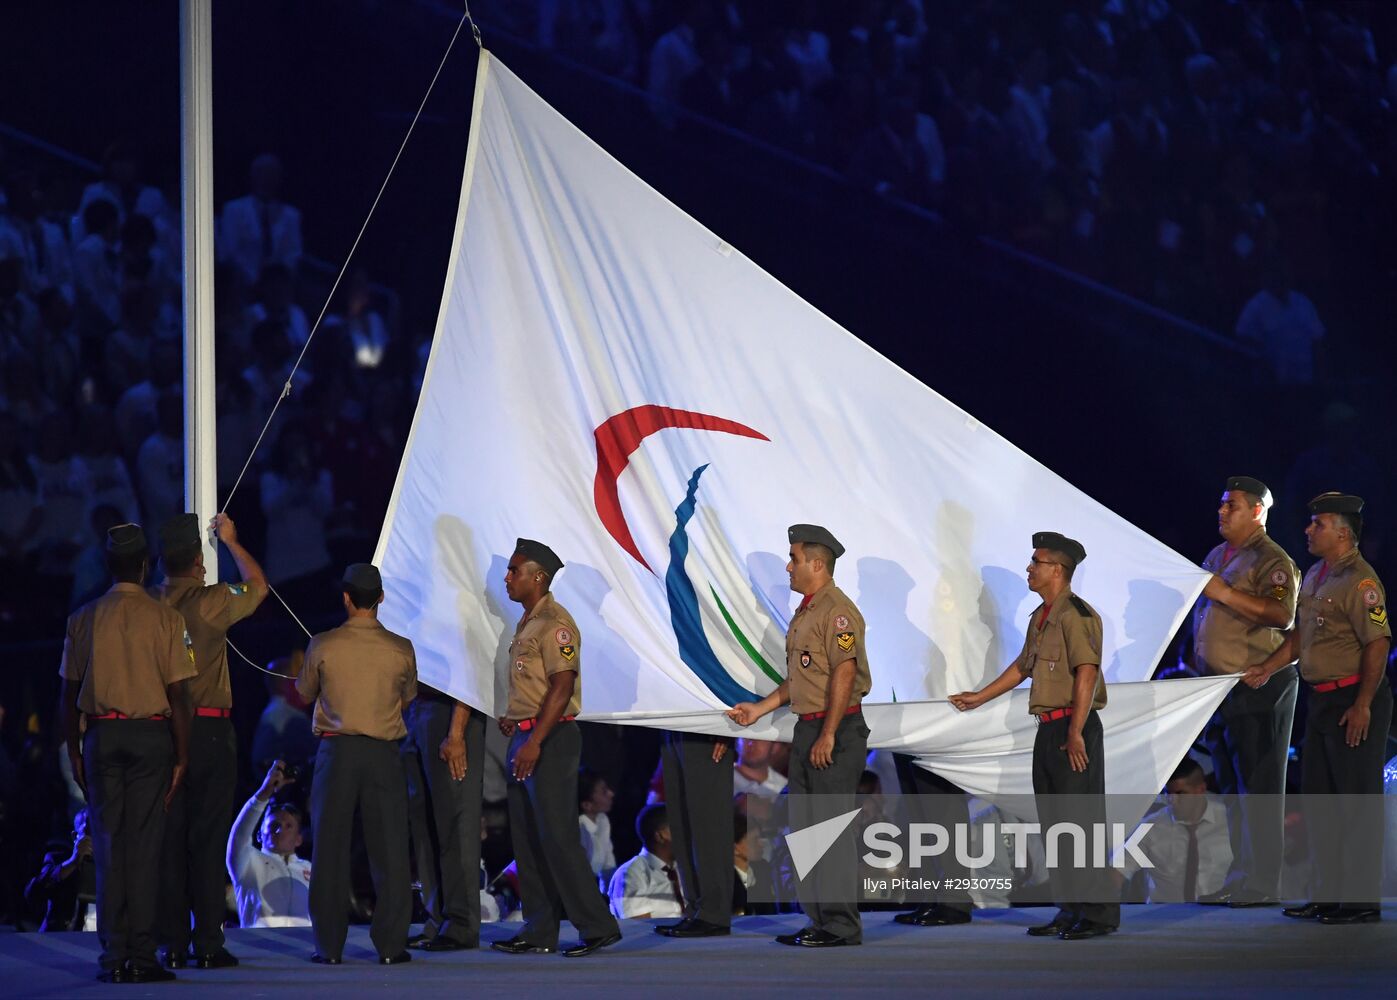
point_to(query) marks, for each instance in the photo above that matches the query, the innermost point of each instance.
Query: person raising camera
(271, 882)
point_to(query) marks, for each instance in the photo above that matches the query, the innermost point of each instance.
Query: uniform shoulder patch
(568, 653)
(237, 589)
(563, 636)
(1367, 583)
(845, 640)
(841, 623)
(1370, 597)
(1378, 616)
(188, 646)
(1083, 608)
(1280, 577)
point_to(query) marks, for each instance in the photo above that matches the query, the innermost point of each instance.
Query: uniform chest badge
(519, 665)
(805, 658)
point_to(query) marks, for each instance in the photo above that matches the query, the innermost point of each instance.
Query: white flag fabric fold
(611, 378)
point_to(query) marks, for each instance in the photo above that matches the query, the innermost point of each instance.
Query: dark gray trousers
(1249, 739)
(1053, 777)
(192, 871)
(936, 800)
(555, 878)
(698, 801)
(1345, 838)
(818, 795)
(359, 771)
(128, 764)
(444, 820)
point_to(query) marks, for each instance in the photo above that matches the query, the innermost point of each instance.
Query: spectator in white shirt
(752, 771)
(647, 886)
(259, 228)
(594, 799)
(1285, 326)
(1188, 843)
(271, 882)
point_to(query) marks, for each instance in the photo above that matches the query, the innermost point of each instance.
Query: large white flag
(613, 379)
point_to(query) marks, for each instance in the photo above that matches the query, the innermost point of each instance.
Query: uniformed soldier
(827, 677)
(1342, 638)
(196, 826)
(545, 751)
(361, 677)
(127, 661)
(698, 794)
(1241, 619)
(1062, 653)
(443, 760)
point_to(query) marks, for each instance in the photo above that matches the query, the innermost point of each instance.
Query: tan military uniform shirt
(1338, 616)
(125, 648)
(1054, 648)
(208, 614)
(1225, 642)
(360, 675)
(823, 634)
(545, 642)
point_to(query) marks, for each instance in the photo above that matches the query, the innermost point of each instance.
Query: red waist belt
(809, 716)
(136, 718)
(214, 713)
(524, 725)
(1342, 682)
(1055, 714)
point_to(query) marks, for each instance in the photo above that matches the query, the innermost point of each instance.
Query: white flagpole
(196, 171)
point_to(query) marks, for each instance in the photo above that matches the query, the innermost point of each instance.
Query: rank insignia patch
(1278, 592)
(1378, 616)
(805, 659)
(568, 652)
(845, 640)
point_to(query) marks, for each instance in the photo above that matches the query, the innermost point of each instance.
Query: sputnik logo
(617, 439)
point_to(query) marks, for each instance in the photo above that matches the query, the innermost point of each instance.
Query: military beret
(363, 577)
(539, 553)
(1249, 485)
(1336, 503)
(1069, 547)
(126, 540)
(815, 535)
(179, 532)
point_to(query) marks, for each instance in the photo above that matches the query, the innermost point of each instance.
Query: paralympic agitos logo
(617, 439)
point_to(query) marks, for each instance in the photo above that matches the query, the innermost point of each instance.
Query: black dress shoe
(149, 974)
(692, 927)
(220, 959)
(417, 940)
(117, 975)
(1351, 915)
(1053, 928)
(824, 939)
(796, 938)
(588, 945)
(934, 916)
(401, 958)
(518, 946)
(1309, 911)
(444, 944)
(1083, 929)
(172, 959)
(1220, 898)
(320, 959)
(1247, 898)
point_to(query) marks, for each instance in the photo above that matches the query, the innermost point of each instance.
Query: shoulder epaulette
(1083, 608)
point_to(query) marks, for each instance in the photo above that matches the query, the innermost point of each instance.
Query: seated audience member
(647, 886)
(1188, 844)
(272, 884)
(750, 870)
(594, 798)
(753, 772)
(66, 887)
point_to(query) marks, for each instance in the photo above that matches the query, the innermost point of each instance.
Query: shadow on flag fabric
(611, 378)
